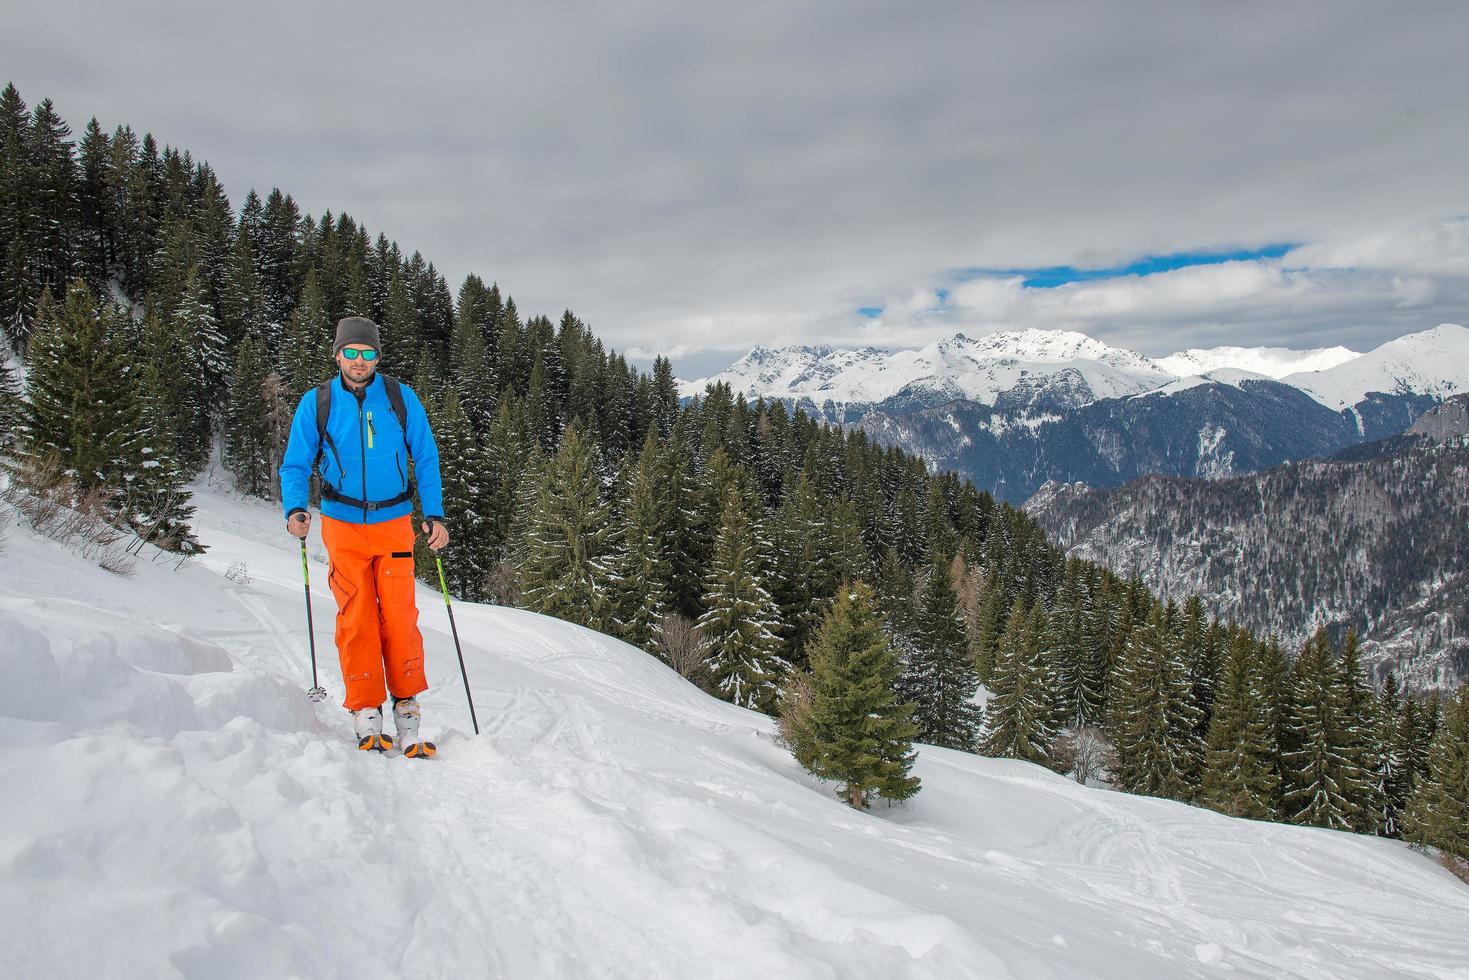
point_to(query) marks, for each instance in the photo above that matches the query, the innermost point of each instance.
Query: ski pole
(444, 587)
(317, 692)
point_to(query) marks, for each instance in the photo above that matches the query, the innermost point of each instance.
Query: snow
(1432, 362)
(176, 807)
(1270, 362)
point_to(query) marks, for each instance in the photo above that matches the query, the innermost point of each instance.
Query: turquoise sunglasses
(351, 355)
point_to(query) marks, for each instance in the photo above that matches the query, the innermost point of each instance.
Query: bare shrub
(792, 723)
(501, 584)
(46, 497)
(1085, 753)
(683, 646)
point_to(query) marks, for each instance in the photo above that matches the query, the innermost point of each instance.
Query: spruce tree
(742, 620)
(859, 733)
(248, 450)
(1241, 757)
(465, 475)
(643, 596)
(939, 677)
(1324, 782)
(1154, 721)
(83, 409)
(1020, 718)
(1438, 815)
(564, 566)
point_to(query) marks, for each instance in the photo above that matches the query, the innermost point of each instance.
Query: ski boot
(405, 719)
(368, 723)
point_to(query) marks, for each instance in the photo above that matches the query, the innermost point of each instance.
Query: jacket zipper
(397, 462)
(370, 430)
(362, 437)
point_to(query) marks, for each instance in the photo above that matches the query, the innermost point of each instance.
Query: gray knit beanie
(356, 330)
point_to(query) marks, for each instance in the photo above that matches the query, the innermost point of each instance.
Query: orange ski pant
(377, 619)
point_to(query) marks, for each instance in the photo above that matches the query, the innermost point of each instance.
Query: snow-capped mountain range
(1014, 410)
(832, 381)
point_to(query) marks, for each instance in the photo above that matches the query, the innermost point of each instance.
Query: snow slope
(176, 807)
(1272, 362)
(1431, 362)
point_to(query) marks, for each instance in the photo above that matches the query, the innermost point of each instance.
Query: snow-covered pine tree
(1323, 778)
(939, 676)
(194, 369)
(1020, 718)
(858, 732)
(305, 355)
(506, 452)
(158, 500)
(564, 569)
(1241, 759)
(1153, 718)
(52, 229)
(247, 446)
(1438, 814)
(800, 558)
(643, 597)
(83, 408)
(1385, 766)
(741, 620)
(989, 627)
(465, 473)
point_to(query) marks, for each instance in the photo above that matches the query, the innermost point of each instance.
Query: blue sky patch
(1060, 275)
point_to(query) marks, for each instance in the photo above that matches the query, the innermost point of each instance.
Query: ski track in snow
(179, 809)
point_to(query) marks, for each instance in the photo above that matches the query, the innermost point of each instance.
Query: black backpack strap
(394, 391)
(323, 412)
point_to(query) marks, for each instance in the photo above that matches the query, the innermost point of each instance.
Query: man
(372, 425)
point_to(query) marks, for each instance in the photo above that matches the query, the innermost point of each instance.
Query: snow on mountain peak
(979, 369)
(1272, 362)
(1430, 362)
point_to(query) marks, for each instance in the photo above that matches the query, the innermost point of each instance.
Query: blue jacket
(369, 463)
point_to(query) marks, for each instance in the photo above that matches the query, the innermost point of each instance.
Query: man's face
(357, 370)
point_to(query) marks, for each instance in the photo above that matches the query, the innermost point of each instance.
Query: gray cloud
(716, 177)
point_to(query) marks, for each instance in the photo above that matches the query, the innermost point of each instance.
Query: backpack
(323, 412)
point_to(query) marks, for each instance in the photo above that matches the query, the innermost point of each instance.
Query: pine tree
(307, 351)
(463, 470)
(195, 368)
(742, 619)
(564, 565)
(939, 677)
(1438, 815)
(1020, 719)
(1241, 757)
(1323, 777)
(858, 732)
(83, 408)
(643, 596)
(1154, 721)
(247, 425)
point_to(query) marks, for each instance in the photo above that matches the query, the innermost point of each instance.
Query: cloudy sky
(694, 179)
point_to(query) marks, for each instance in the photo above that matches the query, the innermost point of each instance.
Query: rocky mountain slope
(1375, 541)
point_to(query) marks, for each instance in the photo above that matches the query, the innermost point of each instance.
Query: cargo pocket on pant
(341, 588)
(395, 581)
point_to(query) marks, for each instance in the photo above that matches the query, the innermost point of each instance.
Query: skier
(360, 428)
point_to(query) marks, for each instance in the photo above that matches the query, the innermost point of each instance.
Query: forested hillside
(1372, 542)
